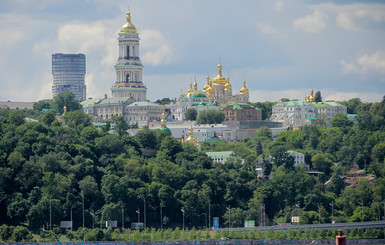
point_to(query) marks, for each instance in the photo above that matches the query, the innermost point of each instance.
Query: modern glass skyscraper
(68, 72)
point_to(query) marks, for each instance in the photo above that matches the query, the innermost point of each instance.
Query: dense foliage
(51, 167)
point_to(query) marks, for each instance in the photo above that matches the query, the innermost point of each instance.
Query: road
(371, 224)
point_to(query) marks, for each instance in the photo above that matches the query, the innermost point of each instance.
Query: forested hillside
(53, 167)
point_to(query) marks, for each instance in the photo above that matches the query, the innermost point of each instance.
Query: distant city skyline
(281, 48)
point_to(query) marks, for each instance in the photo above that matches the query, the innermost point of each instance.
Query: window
(128, 52)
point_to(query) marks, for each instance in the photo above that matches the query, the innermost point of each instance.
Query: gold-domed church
(216, 94)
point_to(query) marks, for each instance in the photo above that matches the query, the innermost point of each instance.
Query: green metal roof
(221, 154)
(296, 103)
(239, 106)
(322, 105)
(90, 102)
(114, 100)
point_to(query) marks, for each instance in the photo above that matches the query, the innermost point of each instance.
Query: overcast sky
(282, 48)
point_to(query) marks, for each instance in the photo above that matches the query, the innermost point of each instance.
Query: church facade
(128, 88)
(216, 94)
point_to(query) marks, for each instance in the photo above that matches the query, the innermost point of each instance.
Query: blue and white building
(69, 72)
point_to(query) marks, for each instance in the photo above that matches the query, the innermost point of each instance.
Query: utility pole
(183, 216)
(208, 199)
(228, 208)
(332, 204)
(83, 206)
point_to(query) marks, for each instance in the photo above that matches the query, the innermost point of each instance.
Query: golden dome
(219, 79)
(181, 94)
(228, 85)
(207, 84)
(244, 90)
(128, 27)
(163, 121)
(195, 85)
(210, 89)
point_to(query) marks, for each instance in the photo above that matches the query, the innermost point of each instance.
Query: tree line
(53, 167)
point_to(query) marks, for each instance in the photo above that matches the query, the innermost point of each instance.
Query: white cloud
(264, 95)
(266, 28)
(278, 5)
(357, 16)
(365, 64)
(364, 96)
(311, 23)
(156, 50)
(345, 21)
(10, 37)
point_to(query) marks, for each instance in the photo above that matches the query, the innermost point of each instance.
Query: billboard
(136, 226)
(295, 219)
(65, 224)
(216, 222)
(249, 223)
(112, 223)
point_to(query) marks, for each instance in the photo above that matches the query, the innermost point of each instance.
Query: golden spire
(195, 85)
(128, 27)
(189, 92)
(228, 85)
(244, 90)
(207, 84)
(163, 122)
(64, 109)
(181, 93)
(190, 135)
(219, 79)
(198, 145)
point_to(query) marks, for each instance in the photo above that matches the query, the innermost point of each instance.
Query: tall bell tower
(129, 67)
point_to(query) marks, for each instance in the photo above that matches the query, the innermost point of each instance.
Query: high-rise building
(68, 72)
(128, 66)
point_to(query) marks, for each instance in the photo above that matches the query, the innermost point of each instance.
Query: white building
(299, 158)
(143, 112)
(299, 113)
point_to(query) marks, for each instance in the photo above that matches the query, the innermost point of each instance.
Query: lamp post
(122, 217)
(83, 206)
(93, 218)
(138, 212)
(161, 216)
(361, 202)
(50, 215)
(183, 216)
(205, 219)
(319, 212)
(332, 204)
(297, 205)
(72, 224)
(228, 209)
(144, 214)
(208, 199)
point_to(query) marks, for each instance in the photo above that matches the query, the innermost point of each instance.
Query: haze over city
(281, 48)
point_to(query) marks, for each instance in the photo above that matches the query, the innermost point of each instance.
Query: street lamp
(144, 215)
(228, 208)
(138, 212)
(319, 211)
(183, 216)
(161, 216)
(205, 219)
(50, 215)
(72, 224)
(297, 205)
(332, 204)
(93, 218)
(122, 217)
(208, 199)
(361, 202)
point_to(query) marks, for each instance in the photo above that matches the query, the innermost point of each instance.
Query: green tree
(210, 117)
(65, 99)
(317, 97)
(322, 162)
(121, 125)
(42, 104)
(76, 118)
(341, 120)
(191, 114)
